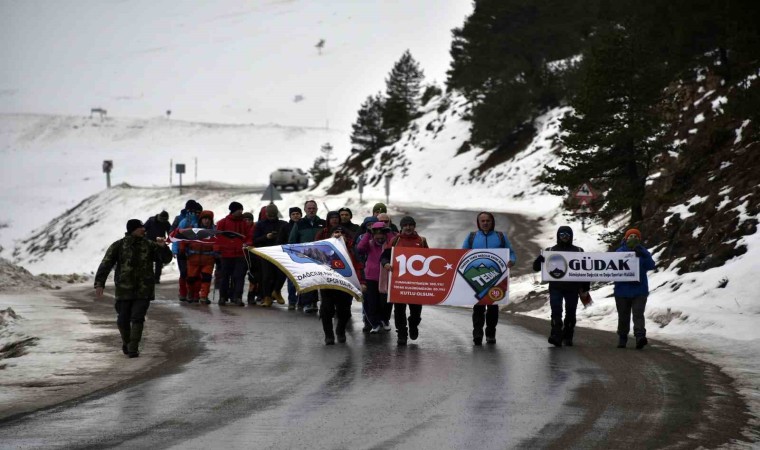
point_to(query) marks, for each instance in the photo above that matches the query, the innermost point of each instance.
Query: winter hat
(294, 209)
(630, 232)
(133, 224)
(408, 220)
(235, 206)
(247, 215)
(337, 228)
(379, 208)
(378, 226)
(207, 213)
(198, 208)
(350, 214)
(333, 215)
(272, 211)
(564, 229)
(163, 214)
(189, 204)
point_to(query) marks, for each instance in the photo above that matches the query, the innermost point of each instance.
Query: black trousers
(481, 317)
(333, 302)
(131, 311)
(626, 306)
(232, 274)
(400, 320)
(272, 278)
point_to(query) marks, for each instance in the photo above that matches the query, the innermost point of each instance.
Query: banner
(577, 266)
(434, 276)
(315, 265)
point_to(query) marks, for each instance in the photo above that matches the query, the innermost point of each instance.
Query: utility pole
(196, 170)
(107, 166)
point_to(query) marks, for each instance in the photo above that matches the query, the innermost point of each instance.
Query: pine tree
(321, 167)
(403, 88)
(616, 129)
(369, 133)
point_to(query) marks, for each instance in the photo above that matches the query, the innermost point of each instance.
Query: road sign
(271, 194)
(585, 191)
(180, 168)
(583, 207)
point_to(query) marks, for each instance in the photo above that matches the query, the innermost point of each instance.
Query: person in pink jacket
(377, 311)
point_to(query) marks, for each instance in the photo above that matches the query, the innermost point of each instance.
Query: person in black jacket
(295, 215)
(158, 226)
(266, 235)
(563, 290)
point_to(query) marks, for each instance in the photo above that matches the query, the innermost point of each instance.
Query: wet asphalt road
(264, 379)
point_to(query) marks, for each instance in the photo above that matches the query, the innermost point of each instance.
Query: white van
(296, 178)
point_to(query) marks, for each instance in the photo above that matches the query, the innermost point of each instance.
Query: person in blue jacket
(486, 237)
(631, 296)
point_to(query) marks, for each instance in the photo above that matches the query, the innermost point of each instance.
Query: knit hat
(189, 204)
(163, 215)
(247, 215)
(133, 224)
(378, 226)
(207, 213)
(272, 211)
(350, 214)
(294, 209)
(630, 232)
(198, 208)
(408, 220)
(235, 206)
(379, 208)
(332, 215)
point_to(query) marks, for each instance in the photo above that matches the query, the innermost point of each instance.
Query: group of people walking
(141, 254)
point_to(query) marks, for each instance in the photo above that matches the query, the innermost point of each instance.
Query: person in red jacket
(233, 265)
(200, 262)
(338, 302)
(407, 238)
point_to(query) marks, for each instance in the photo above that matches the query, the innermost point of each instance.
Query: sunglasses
(564, 235)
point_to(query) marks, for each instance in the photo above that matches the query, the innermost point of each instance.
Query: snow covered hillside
(51, 163)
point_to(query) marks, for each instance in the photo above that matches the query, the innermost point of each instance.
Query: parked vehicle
(293, 177)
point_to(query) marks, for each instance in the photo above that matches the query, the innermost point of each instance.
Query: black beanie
(407, 220)
(164, 214)
(133, 224)
(294, 209)
(189, 204)
(235, 206)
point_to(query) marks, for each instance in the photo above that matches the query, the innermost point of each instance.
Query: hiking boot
(367, 327)
(477, 340)
(401, 342)
(192, 300)
(329, 340)
(182, 299)
(555, 341)
(133, 354)
(310, 309)
(205, 301)
(222, 302)
(125, 332)
(341, 337)
(375, 329)
(641, 342)
(622, 341)
(414, 332)
(277, 296)
(251, 298)
(386, 325)
(299, 307)
(490, 339)
(124, 349)
(135, 335)
(267, 302)
(567, 342)
(238, 302)
(291, 307)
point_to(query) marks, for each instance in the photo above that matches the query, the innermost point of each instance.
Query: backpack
(502, 239)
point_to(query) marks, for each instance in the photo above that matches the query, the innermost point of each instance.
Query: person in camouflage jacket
(133, 256)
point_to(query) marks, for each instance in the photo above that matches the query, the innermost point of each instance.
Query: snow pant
(481, 317)
(271, 278)
(333, 302)
(570, 298)
(292, 296)
(200, 269)
(130, 317)
(232, 275)
(376, 306)
(182, 265)
(399, 317)
(627, 305)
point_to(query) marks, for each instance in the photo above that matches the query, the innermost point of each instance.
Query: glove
(640, 252)
(540, 259)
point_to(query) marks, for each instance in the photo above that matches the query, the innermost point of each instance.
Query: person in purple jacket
(376, 307)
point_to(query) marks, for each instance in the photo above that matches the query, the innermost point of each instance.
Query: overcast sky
(220, 61)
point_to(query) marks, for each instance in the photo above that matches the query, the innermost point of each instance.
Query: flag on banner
(588, 266)
(434, 276)
(315, 265)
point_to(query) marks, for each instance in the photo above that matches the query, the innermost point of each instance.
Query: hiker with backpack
(375, 305)
(407, 238)
(487, 237)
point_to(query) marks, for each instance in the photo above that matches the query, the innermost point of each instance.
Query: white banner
(586, 266)
(315, 265)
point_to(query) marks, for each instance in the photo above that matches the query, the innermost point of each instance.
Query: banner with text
(586, 266)
(434, 276)
(315, 265)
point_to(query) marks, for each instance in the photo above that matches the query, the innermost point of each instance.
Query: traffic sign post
(107, 167)
(271, 194)
(583, 196)
(361, 187)
(180, 169)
